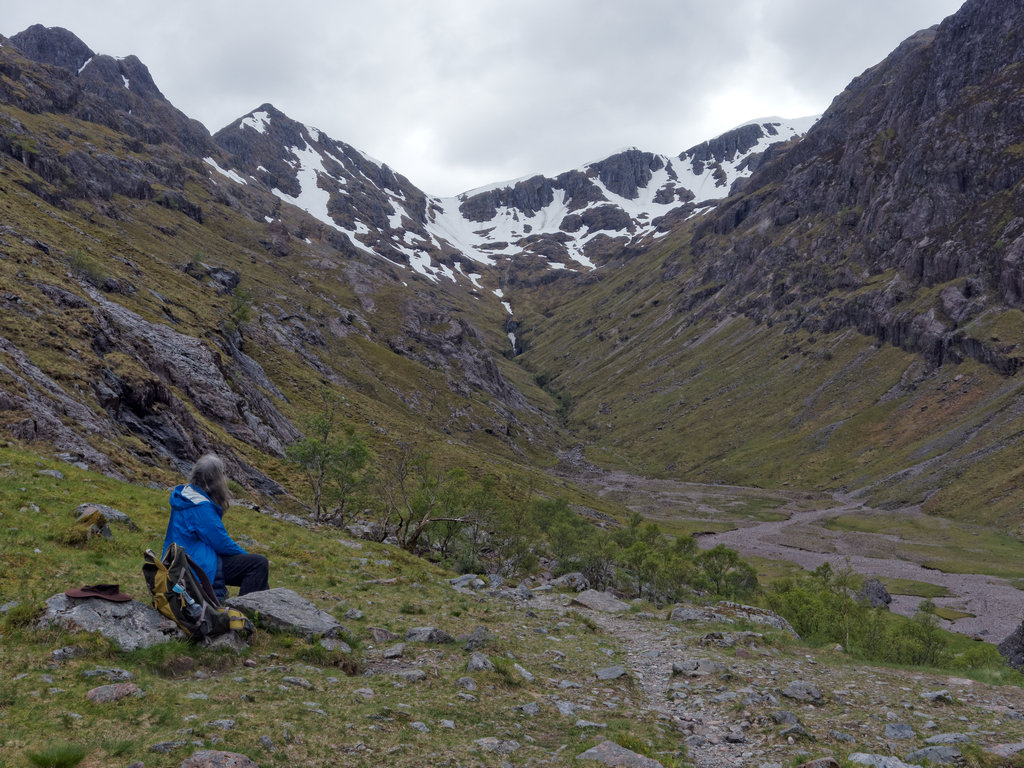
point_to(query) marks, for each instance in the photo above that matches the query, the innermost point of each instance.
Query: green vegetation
(191, 687)
(945, 545)
(822, 609)
(333, 458)
(58, 756)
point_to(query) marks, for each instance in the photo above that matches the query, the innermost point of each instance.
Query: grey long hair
(208, 476)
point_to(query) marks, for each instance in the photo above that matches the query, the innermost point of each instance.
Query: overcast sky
(455, 94)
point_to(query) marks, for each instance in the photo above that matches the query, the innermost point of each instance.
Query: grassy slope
(188, 690)
(720, 399)
(41, 700)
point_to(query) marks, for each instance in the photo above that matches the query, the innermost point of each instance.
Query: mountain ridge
(452, 314)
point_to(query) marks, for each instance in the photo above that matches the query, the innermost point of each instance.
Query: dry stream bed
(809, 529)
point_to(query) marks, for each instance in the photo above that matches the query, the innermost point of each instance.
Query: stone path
(746, 703)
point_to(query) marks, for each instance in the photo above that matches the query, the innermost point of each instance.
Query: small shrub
(87, 269)
(21, 615)
(980, 656)
(58, 756)
(506, 671)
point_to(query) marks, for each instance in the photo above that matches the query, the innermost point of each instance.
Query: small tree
(724, 573)
(416, 495)
(333, 458)
(239, 309)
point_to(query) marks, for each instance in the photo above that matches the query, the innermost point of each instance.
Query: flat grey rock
(479, 663)
(396, 651)
(942, 755)
(411, 675)
(428, 635)
(286, 611)
(611, 754)
(898, 731)
(333, 644)
(610, 673)
(801, 690)
(877, 761)
(948, 738)
(599, 601)
(498, 746)
(131, 625)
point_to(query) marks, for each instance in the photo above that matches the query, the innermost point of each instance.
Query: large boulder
(873, 593)
(754, 615)
(286, 611)
(131, 625)
(1012, 648)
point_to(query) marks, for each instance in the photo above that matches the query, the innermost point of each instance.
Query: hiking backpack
(182, 592)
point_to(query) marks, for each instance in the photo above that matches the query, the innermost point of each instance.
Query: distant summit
(576, 220)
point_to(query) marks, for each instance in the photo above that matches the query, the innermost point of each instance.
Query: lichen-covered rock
(108, 694)
(210, 758)
(285, 610)
(111, 514)
(131, 625)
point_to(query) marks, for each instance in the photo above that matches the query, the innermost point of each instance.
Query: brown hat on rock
(104, 591)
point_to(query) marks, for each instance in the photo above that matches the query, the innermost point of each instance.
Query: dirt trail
(997, 607)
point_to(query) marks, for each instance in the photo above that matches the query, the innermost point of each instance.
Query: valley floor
(792, 526)
(995, 605)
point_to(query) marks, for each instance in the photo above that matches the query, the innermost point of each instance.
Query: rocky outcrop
(1012, 648)
(173, 362)
(117, 92)
(439, 340)
(912, 169)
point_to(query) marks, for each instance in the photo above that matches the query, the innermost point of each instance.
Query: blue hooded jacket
(196, 525)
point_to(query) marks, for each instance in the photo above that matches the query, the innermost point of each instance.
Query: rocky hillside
(837, 311)
(848, 319)
(204, 284)
(914, 171)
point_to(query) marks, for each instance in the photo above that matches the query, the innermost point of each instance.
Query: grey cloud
(459, 93)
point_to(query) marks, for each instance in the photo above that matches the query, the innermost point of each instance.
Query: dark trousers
(250, 573)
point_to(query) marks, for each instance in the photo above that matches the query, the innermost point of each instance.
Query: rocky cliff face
(902, 202)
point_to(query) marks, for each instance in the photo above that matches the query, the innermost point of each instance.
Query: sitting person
(196, 524)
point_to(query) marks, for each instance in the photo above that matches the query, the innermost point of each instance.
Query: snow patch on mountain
(258, 121)
(573, 221)
(224, 172)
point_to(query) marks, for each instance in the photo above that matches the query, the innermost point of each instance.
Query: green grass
(183, 682)
(945, 545)
(58, 756)
(915, 588)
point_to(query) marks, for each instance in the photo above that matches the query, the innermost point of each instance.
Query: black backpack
(182, 592)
